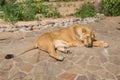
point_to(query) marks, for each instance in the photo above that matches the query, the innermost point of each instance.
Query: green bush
(16, 12)
(2, 2)
(27, 11)
(68, 0)
(111, 7)
(86, 11)
(47, 11)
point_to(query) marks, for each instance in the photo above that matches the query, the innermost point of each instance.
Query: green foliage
(26, 11)
(67, 0)
(111, 7)
(47, 10)
(59, 0)
(14, 12)
(86, 11)
(2, 2)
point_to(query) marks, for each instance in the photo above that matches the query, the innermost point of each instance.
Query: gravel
(38, 25)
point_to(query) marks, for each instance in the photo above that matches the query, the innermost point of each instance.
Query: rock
(8, 30)
(94, 60)
(5, 35)
(32, 59)
(26, 23)
(83, 77)
(18, 76)
(23, 29)
(93, 68)
(25, 26)
(83, 61)
(71, 22)
(30, 28)
(39, 69)
(17, 59)
(36, 28)
(10, 35)
(2, 55)
(76, 70)
(56, 25)
(42, 77)
(65, 25)
(52, 60)
(92, 76)
(3, 75)
(46, 70)
(84, 21)
(2, 30)
(24, 67)
(100, 16)
(6, 65)
(67, 76)
(65, 64)
(104, 74)
(79, 22)
(13, 72)
(115, 69)
(42, 26)
(28, 77)
(114, 59)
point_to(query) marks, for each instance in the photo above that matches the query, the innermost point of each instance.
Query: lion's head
(85, 35)
(88, 39)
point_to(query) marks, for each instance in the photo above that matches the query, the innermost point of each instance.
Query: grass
(86, 11)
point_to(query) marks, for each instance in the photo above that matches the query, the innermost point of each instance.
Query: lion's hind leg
(53, 54)
(62, 46)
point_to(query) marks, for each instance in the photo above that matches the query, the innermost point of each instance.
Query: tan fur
(76, 35)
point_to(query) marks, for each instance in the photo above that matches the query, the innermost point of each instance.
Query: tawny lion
(76, 35)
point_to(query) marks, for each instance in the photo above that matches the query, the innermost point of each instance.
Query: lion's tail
(9, 56)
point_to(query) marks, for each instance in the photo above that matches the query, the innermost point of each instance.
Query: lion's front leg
(100, 44)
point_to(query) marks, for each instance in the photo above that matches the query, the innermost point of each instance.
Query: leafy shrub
(67, 0)
(111, 7)
(18, 12)
(2, 2)
(46, 10)
(26, 11)
(86, 11)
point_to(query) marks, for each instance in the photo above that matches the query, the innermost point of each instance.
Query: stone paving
(83, 64)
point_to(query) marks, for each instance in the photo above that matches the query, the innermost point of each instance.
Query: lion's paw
(67, 51)
(60, 58)
(106, 45)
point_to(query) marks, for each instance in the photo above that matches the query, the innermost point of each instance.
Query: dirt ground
(83, 64)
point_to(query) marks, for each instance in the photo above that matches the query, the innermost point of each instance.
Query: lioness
(76, 35)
